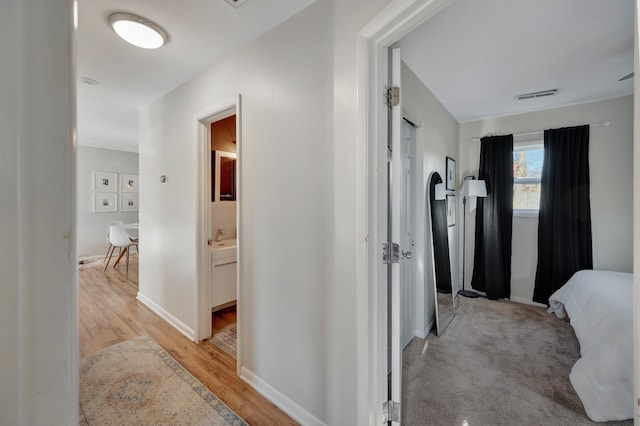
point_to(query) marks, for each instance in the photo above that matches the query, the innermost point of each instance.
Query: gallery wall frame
(129, 182)
(105, 202)
(105, 182)
(128, 202)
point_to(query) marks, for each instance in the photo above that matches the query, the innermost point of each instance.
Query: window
(527, 172)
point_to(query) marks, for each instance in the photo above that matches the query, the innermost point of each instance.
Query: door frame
(374, 41)
(223, 109)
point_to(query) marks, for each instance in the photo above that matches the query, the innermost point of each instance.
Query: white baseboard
(175, 322)
(82, 259)
(298, 413)
(527, 302)
(424, 333)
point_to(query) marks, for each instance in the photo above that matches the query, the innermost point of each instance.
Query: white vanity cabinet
(224, 277)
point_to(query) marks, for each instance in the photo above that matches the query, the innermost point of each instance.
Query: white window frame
(526, 146)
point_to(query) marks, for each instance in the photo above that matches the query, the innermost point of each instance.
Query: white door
(395, 177)
(407, 284)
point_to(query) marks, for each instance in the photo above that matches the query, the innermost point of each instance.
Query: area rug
(136, 382)
(227, 339)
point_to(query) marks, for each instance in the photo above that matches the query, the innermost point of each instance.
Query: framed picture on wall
(128, 182)
(451, 174)
(451, 210)
(105, 202)
(128, 202)
(105, 181)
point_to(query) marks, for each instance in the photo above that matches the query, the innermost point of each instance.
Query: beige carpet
(138, 383)
(227, 339)
(498, 363)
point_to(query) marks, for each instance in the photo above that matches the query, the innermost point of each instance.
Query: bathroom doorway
(218, 233)
(223, 290)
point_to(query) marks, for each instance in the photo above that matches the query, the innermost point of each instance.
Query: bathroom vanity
(224, 274)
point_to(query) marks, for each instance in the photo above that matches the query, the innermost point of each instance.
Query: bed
(600, 307)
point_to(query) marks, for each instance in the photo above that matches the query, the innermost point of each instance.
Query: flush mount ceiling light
(138, 31)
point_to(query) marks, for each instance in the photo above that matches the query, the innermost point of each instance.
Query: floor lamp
(470, 188)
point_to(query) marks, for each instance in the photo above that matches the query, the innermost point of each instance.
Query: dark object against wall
(494, 219)
(440, 237)
(564, 221)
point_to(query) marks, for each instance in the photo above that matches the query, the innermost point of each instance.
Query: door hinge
(390, 253)
(391, 412)
(392, 96)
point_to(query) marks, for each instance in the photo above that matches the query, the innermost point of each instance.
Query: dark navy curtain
(564, 222)
(494, 218)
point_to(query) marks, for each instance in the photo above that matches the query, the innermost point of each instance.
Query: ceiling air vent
(533, 95)
(236, 3)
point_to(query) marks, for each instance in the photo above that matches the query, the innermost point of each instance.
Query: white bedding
(600, 307)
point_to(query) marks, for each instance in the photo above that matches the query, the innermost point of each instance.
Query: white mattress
(600, 307)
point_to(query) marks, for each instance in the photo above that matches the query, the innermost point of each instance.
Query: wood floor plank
(109, 313)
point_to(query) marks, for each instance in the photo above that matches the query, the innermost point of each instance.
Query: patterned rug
(138, 383)
(227, 339)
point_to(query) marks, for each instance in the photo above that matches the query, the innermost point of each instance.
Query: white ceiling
(200, 32)
(477, 55)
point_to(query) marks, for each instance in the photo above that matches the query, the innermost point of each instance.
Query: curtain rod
(605, 124)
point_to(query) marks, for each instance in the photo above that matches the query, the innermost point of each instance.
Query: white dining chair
(109, 225)
(119, 237)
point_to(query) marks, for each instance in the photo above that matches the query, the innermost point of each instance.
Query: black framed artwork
(451, 174)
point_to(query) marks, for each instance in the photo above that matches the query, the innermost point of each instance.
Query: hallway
(109, 313)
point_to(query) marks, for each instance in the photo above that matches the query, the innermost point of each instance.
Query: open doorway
(378, 40)
(218, 232)
(223, 280)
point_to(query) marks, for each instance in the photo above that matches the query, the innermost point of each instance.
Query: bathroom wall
(223, 213)
(223, 134)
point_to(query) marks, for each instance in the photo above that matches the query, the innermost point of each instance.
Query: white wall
(435, 140)
(298, 200)
(223, 216)
(611, 171)
(38, 273)
(92, 227)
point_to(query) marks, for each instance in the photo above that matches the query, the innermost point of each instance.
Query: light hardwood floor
(222, 318)
(109, 313)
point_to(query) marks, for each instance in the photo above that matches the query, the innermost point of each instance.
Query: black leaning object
(468, 293)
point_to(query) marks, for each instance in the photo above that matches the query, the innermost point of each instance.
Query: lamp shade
(474, 188)
(441, 193)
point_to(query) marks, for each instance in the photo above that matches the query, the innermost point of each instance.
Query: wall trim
(165, 315)
(298, 413)
(424, 333)
(201, 124)
(393, 22)
(82, 259)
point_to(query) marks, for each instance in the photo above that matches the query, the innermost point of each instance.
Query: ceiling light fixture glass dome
(138, 31)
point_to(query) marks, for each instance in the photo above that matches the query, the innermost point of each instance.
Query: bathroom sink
(224, 243)
(224, 249)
